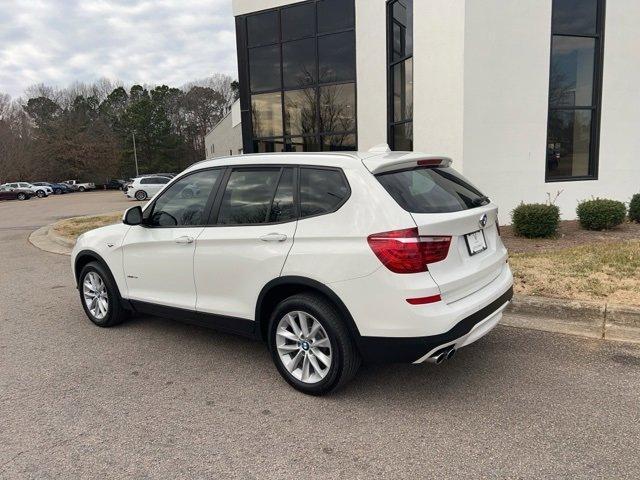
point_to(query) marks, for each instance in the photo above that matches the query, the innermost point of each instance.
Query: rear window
(431, 190)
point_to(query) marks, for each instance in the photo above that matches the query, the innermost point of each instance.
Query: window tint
(184, 203)
(321, 191)
(300, 112)
(266, 115)
(336, 57)
(298, 21)
(299, 63)
(283, 208)
(264, 68)
(575, 16)
(268, 146)
(402, 28)
(572, 61)
(335, 15)
(338, 108)
(247, 196)
(431, 190)
(262, 29)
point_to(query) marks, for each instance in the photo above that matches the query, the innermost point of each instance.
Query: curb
(42, 240)
(60, 240)
(575, 317)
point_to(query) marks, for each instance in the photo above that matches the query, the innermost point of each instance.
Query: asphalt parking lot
(160, 399)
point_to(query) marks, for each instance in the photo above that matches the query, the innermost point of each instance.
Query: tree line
(86, 131)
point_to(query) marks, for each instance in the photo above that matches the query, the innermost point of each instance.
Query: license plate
(476, 242)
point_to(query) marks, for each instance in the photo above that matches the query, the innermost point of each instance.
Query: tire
(141, 195)
(41, 193)
(343, 355)
(115, 312)
(81, 189)
(22, 196)
(57, 191)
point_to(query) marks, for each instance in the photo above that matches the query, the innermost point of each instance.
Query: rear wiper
(481, 200)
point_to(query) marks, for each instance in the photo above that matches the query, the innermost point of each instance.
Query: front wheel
(311, 346)
(141, 195)
(100, 297)
(57, 191)
(81, 189)
(22, 196)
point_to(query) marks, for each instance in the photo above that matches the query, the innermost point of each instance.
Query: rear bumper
(418, 349)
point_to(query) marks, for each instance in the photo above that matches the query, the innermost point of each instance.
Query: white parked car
(81, 186)
(40, 190)
(329, 258)
(142, 188)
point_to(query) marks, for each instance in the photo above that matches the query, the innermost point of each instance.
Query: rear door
(443, 203)
(252, 231)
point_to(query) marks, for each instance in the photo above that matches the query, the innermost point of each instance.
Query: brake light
(405, 251)
(431, 162)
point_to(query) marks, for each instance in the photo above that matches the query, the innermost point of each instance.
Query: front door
(158, 255)
(249, 242)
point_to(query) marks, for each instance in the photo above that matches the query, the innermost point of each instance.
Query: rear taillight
(498, 227)
(405, 251)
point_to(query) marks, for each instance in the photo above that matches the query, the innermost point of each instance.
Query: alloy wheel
(303, 347)
(95, 295)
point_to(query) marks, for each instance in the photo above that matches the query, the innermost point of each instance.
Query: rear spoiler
(401, 161)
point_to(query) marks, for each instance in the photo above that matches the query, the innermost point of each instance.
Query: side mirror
(133, 216)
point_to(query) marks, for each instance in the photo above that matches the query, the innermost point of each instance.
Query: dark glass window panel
(300, 112)
(264, 68)
(403, 137)
(569, 142)
(321, 191)
(402, 29)
(299, 63)
(304, 144)
(337, 57)
(403, 90)
(268, 146)
(247, 196)
(338, 108)
(431, 190)
(262, 29)
(298, 21)
(577, 17)
(572, 71)
(266, 114)
(184, 203)
(339, 143)
(283, 208)
(334, 15)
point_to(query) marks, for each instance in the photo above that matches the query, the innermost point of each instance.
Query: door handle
(273, 237)
(184, 240)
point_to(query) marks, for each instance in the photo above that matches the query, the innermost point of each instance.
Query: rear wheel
(81, 189)
(311, 346)
(141, 195)
(100, 297)
(22, 196)
(57, 191)
(41, 193)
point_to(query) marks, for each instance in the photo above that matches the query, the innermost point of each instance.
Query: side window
(184, 203)
(145, 181)
(162, 180)
(283, 208)
(321, 191)
(248, 195)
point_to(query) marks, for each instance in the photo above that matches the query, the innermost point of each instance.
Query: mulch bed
(569, 235)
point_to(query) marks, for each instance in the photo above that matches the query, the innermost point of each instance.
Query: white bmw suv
(329, 258)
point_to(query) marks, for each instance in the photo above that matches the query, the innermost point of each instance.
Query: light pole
(135, 155)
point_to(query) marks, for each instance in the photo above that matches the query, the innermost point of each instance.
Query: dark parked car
(114, 184)
(8, 193)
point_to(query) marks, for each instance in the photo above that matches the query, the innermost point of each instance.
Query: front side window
(400, 85)
(321, 191)
(185, 202)
(574, 89)
(298, 81)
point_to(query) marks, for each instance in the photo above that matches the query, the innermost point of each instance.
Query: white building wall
(226, 137)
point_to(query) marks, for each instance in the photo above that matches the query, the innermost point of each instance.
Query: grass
(74, 227)
(607, 271)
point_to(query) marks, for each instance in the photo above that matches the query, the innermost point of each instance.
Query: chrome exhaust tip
(438, 358)
(451, 353)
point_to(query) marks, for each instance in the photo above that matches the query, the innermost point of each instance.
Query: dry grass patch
(603, 271)
(74, 227)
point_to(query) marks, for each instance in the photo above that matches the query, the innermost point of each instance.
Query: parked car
(113, 184)
(81, 186)
(41, 190)
(57, 188)
(8, 193)
(146, 187)
(328, 258)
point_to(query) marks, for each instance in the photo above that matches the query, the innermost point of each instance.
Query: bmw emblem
(483, 220)
(304, 346)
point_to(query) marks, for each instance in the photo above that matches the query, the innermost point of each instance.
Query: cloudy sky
(57, 42)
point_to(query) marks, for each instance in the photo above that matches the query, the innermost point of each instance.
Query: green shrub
(601, 213)
(535, 220)
(634, 208)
